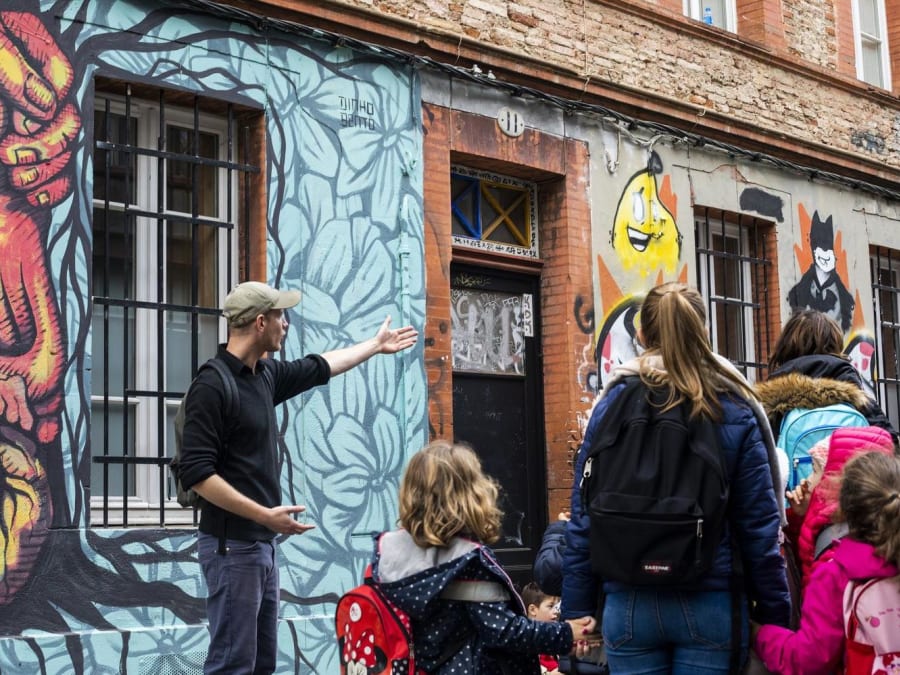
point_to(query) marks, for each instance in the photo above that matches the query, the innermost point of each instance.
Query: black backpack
(232, 410)
(655, 488)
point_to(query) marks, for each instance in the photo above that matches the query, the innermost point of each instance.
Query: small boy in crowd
(542, 607)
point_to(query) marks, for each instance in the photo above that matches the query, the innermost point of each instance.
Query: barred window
(882, 361)
(734, 273)
(166, 182)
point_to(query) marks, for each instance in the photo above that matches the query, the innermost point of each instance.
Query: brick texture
(437, 270)
(892, 11)
(561, 169)
(786, 78)
(762, 21)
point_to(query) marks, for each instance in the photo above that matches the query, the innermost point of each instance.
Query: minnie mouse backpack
(374, 636)
(872, 627)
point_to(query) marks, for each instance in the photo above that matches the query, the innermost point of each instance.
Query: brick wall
(561, 168)
(762, 21)
(801, 91)
(845, 38)
(566, 233)
(892, 10)
(809, 30)
(438, 226)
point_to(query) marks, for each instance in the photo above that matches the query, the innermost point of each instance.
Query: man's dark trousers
(241, 584)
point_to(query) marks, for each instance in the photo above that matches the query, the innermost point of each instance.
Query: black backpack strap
(229, 389)
(232, 411)
(830, 536)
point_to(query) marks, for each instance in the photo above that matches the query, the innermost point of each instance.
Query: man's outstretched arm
(386, 341)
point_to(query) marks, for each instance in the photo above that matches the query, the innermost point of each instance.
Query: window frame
(693, 9)
(886, 379)
(479, 240)
(880, 41)
(145, 504)
(754, 302)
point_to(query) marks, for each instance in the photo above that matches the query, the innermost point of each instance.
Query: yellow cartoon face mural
(644, 232)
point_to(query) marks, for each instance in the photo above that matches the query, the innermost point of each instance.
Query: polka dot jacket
(457, 637)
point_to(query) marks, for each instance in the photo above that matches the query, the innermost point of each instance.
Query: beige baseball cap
(252, 298)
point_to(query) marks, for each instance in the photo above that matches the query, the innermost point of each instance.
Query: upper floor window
(733, 270)
(872, 58)
(165, 186)
(719, 13)
(494, 213)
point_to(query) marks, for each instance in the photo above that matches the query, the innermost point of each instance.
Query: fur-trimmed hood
(779, 395)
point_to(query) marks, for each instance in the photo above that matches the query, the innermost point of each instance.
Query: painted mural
(40, 124)
(646, 243)
(859, 347)
(645, 235)
(344, 226)
(821, 287)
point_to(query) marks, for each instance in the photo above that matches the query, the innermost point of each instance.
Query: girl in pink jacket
(842, 446)
(870, 505)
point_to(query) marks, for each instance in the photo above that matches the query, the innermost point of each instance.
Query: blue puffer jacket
(548, 563)
(755, 520)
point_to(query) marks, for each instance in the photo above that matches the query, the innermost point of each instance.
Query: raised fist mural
(38, 127)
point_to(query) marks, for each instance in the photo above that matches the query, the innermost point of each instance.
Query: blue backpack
(802, 428)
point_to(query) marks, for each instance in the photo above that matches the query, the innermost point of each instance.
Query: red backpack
(872, 627)
(374, 635)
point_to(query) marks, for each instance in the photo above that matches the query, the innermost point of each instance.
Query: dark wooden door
(497, 406)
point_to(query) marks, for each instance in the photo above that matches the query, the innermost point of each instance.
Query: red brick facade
(561, 168)
(783, 84)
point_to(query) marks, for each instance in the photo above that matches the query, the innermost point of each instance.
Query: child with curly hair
(466, 615)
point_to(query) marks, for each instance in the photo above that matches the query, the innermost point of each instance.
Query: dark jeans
(242, 605)
(670, 633)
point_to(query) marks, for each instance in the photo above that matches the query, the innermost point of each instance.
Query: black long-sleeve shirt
(242, 451)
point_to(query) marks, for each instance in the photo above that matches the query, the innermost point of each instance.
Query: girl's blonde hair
(673, 326)
(444, 493)
(870, 502)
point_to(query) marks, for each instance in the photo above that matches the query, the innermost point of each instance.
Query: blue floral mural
(345, 226)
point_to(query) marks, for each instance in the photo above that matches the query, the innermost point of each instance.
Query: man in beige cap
(231, 460)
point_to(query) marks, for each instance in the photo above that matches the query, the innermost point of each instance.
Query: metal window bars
(734, 266)
(124, 163)
(884, 361)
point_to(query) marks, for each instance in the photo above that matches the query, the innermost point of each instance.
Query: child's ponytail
(870, 502)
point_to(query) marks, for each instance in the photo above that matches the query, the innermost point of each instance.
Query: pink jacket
(818, 646)
(844, 444)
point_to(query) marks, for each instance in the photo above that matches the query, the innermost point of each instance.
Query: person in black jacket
(233, 466)
(810, 347)
(547, 570)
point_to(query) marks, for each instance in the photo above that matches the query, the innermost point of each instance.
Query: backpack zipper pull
(586, 473)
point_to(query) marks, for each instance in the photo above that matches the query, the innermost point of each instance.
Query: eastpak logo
(658, 568)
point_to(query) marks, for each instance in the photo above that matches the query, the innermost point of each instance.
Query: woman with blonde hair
(687, 627)
(438, 567)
